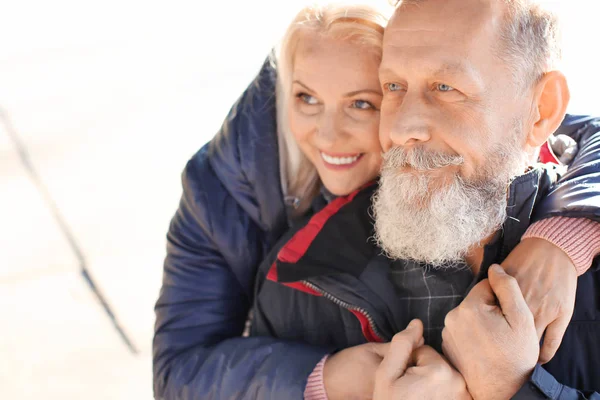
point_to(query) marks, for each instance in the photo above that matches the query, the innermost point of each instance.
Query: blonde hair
(360, 24)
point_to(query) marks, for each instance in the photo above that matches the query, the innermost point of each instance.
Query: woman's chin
(341, 190)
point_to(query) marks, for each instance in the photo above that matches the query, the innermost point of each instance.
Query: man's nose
(409, 124)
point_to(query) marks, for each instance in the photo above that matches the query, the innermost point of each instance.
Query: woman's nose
(330, 128)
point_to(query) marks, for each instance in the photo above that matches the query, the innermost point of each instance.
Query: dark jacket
(231, 214)
(329, 285)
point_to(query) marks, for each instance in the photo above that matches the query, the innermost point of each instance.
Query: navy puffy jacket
(231, 214)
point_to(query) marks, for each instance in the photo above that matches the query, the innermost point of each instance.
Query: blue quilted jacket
(231, 214)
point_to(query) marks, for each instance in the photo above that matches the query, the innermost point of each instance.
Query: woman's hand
(411, 370)
(350, 373)
(548, 280)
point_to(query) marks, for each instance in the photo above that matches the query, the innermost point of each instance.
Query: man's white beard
(440, 226)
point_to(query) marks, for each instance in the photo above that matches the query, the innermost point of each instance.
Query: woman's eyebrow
(303, 85)
(349, 94)
(354, 93)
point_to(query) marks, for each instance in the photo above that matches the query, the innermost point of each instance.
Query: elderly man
(471, 93)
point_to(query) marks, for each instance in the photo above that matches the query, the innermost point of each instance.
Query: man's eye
(393, 87)
(308, 99)
(362, 105)
(442, 87)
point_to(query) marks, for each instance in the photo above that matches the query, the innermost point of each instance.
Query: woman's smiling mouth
(340, 161)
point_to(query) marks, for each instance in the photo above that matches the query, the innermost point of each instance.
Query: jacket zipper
(347, 306)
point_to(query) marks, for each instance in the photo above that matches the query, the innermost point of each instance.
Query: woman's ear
(551, 100)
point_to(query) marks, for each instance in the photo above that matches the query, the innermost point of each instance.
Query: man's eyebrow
(445, 69)
(386, 71)
(461, 72)
(452, 68)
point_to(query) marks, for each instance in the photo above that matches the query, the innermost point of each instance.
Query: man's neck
(475, 257)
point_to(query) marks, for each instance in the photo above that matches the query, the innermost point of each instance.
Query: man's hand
(350, 374)
(548, 281)
(410, 370)
(425, 375)
(494, 346)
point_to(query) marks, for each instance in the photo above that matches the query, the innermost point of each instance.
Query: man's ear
(551, 99)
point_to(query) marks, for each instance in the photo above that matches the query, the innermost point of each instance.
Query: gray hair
(531, 39)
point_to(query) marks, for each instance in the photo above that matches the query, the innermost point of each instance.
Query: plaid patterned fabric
(429, 294)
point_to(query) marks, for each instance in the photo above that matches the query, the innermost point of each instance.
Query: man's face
(452, 127)
(444, 87)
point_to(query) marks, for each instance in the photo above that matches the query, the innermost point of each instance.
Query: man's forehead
(451, 18)
(446, 6)
(439, 68)
(444, 37)
(435, 52)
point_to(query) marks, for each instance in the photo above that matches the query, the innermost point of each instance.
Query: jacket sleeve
(577, 193)
(228, 218)
(542, 385)
(202, 308)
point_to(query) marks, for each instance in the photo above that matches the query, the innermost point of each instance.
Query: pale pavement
(109, 100)
(108, 112)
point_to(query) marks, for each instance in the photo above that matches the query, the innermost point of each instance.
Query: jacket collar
(338, 239)
(524, 193)
(334, 256)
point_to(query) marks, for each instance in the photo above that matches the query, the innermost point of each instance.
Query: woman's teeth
(339, 160)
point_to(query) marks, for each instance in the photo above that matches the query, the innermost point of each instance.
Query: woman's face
(334, 112)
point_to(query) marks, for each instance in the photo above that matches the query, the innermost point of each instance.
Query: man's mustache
(419, 158)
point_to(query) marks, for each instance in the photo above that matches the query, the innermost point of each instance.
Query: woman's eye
(308, 99)
(393, 87)
(442, 87)
(362, 105)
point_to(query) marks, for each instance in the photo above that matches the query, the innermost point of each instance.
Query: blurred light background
(108, 100)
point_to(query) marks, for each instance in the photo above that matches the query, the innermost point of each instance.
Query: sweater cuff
(315, 386)
(579, 238)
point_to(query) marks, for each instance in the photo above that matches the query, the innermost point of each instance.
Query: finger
(381, 349)
(542, 320)
(553, 338)
(481, 293)
(431, 364)
(426, 355)
(509, 295)
(400, 352)
(540, 327)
